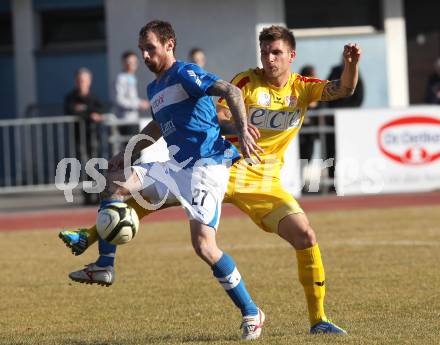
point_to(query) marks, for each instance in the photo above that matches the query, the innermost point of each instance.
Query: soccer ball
(117, 223)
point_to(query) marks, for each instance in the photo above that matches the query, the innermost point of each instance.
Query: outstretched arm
(234, 99)
(346, 85)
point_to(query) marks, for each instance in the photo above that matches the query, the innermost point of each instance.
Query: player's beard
(152, 67)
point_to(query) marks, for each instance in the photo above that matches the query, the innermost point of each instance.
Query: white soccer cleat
(252, 326)
(93, 274)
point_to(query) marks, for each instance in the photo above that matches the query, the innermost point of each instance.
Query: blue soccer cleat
(76, 240)
(326, 327)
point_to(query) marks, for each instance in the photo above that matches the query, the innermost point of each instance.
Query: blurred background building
(43, 42)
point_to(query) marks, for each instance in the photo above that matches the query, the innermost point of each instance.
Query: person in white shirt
(127, 102)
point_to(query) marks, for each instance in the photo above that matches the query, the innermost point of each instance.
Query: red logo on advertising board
(412, 140)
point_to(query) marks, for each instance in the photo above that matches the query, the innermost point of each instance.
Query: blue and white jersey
(187, 115)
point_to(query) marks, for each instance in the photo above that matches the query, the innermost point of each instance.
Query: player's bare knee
(118, 184)
(308, 235)
(297, 231)
(203, 249)
(304, 236)
(112, 190)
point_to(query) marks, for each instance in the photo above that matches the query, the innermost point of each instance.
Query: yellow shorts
(261, 198)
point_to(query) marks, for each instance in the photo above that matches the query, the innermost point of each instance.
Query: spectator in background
(307, 140)
(83, 103)
(350, 102)
(128, 104)
(310, 72)
(197, 56)
(353, 101)
(433, 87)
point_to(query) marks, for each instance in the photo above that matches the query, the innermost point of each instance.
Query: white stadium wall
(224, 29)
(373, 66)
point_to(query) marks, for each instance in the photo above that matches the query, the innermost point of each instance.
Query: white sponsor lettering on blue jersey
(187, 115)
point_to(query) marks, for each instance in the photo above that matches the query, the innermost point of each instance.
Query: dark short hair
(195, 50)
(127, 54)
(163, 30)
(276, 32)
(307, 71)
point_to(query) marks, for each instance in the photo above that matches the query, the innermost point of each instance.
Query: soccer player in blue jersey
(197, 174)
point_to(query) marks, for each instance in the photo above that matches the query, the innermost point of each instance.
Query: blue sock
(228, 276)
(106, 250)
(107, 253)
(105, 203)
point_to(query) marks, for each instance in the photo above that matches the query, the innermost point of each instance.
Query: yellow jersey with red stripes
(277, 112)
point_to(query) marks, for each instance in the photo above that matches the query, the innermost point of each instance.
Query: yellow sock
(141, 212)
(312, 277)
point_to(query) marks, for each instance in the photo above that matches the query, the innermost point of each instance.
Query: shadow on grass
(209, 338)
(81, 342)
(152, 339)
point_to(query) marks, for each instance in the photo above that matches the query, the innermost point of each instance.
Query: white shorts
(199, 189)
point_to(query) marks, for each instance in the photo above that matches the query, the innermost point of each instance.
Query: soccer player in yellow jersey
(276, 101)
